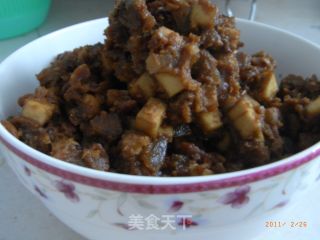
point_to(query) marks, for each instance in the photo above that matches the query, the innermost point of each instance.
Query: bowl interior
(293, 55)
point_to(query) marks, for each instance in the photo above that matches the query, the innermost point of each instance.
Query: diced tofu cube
(245, 119)
(170, 83)
(165, 32)
(209, 121)
(272, 116)
(246, 124)
(167, 132)
(202, 14)
(239, 109)
(230, 102)
(269, 88)
(39, 111)
(150, 117)
(313, 108)
(251, 101)
(145, 85)
(193, 51)
(153, 63)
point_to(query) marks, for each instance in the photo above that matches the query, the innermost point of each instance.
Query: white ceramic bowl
(98, 204)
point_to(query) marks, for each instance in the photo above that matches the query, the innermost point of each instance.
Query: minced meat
(169, 93)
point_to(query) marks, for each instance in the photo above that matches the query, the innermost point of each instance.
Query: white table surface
(22, 216)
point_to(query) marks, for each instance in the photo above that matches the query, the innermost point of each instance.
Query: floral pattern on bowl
(114, 207)
(238, 198)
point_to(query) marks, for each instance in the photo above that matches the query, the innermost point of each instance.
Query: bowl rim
(151, 184)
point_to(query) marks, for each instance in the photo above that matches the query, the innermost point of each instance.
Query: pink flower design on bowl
(124, 226)
(40, 192)
(187, 223)
(68, 189)
(238, 198)
(27, 171)
(281, 204)
(176, 206)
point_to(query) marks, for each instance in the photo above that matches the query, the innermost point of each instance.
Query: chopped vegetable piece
(202, 14)
(313, 108)
(245, 119)
(166, 131)
(209, 121)
(144, 85)
(150, 117)
(39, 111)
(170, 83)
(269, 87)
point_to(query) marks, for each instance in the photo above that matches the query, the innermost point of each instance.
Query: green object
(21, 16)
